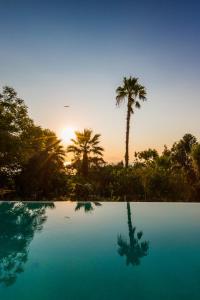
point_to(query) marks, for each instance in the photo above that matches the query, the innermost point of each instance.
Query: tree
(18, 222)
(133, 92)
(14, 122)
(44, 173)
(31, 158)
(195, 153)
(86, 150)
(181, 151)
(87, 206)
(146, 156)
(135, 249)
(181, 155)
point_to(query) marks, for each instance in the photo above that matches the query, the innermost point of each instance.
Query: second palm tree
(86, 149)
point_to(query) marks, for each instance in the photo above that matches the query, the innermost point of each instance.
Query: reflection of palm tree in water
(136, 249)
(87, 206)
(18, 223)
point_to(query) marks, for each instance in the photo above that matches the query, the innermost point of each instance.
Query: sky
(76, 53)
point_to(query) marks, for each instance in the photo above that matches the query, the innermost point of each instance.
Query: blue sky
(77, 52)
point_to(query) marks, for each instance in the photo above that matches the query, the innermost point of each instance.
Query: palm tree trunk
(130, 226)
(127, 134)
(85, 165)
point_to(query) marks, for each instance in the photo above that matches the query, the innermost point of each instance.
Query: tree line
(32, 159)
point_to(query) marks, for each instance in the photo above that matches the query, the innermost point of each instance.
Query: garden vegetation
(32, 160)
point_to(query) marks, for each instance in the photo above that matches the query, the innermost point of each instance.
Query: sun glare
(67, 134)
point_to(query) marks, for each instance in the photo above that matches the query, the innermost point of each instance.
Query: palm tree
(85, 149)
(133, 91)
(135, 249)
(44, 171)
(87, 206)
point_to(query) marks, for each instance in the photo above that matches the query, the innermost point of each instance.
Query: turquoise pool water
(68, 250)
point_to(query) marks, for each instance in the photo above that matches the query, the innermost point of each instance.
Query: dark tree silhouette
(135, 249)
(86, 150)
(87, 206)
(18, 224)
(44, 173)
(133, 91)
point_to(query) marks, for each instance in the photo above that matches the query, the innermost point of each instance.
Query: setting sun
(67, 134)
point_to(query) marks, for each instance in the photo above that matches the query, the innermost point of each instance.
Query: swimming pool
(76, 250)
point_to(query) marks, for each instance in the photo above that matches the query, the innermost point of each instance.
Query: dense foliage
(173, 175)
(18, 222)
(31, 158)
(32, 163)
